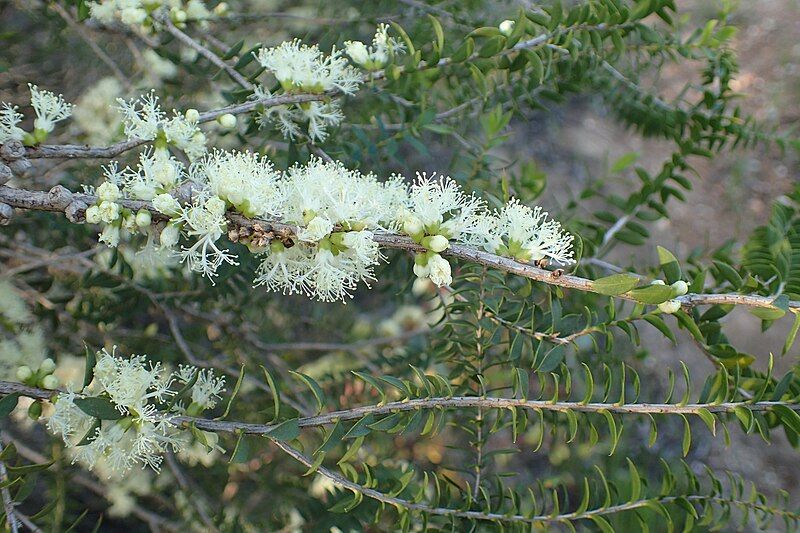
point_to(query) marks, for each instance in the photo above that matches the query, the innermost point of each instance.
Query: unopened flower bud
(47, 366)
(413, 226)
(50, 382)
(670, 306)
(680, 287)
(24, 373)
(436, 243)
(169, 236)
(221, 9)
(422, 271)
(227, 121)
(143, 218)
(657, 282)
(506, 27)
(192, 115)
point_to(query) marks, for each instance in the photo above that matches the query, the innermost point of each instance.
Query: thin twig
(8, 503)
(205, 52)
(99, 52)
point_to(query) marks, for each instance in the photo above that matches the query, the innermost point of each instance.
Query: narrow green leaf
(615, 284)
(8, 403)
(285, 431)
(98, 407)
(319, 396)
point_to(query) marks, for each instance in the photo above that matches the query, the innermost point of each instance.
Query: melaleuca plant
(364, 304)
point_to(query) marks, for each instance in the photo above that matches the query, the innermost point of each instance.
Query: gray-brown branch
(60, 199)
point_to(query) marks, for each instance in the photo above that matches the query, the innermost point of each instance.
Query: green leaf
(687, 436)
(625, 161)
(409, 45)
(661, 326)
(91, 361)
(8, 403)
(792, 335)
(615, 285)
(285, 431)
(236, 388)
(273, 388)
(98, 407)
(314, 386)
(652, 294)
(766, 313)
(729, 273)
(709, 419)
(669, 265)
(437, 30)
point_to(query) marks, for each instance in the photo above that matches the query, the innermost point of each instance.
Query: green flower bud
(50, 382)
(24, 373)
(47, 366)
(670, 306)
(227, 121)
(143, 218)
(680, 287)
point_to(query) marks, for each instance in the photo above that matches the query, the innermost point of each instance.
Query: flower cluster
(334, 209)
(123, 417)
(49, 108)
(300, 68)
(144, 119)
(378, 55)
(137, 13)
(332, 214)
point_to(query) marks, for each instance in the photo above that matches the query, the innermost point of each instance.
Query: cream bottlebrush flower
(141, 116)
(298, 66)
(185, 135)
(131, 383)
(49, 108)
(156, 173)
(205, 221)
(344, 197)
(242, 179)
(442, 207)
(9, 118)
(319, 116)
(377, 56)
(94, 114)
(206, 389)
(328, 272)
(527, 235)
(139, 391)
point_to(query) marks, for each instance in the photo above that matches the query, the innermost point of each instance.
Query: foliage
(519, 390)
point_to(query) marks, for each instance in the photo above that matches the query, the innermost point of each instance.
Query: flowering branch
(60, 199)
(80, 151)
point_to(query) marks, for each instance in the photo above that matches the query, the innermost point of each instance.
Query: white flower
(142, 117)
(374, 57)
(169, 236)
(94, 114)
(444, 209)
(242, 179)
(108, 211)
(317, 228)
(167, 204)
(440, 272)
(207, 389)
(205, 220)
(526, 235)
(345, 197)
(9, 118)
(185, 134)
(108, 191)
(93, 215)
(49, 108)
(303, 67)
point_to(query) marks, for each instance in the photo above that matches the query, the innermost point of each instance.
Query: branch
(8, 503)
(205, 52)
(498, 517)
(76, 151)
(60, 199)
(455, 402)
